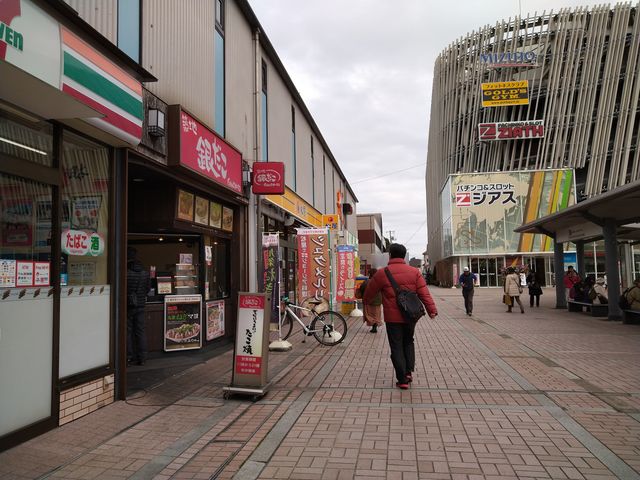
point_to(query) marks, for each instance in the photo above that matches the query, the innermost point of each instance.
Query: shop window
(85, 207)
(217, 268)
(24, 140)
(25, 233)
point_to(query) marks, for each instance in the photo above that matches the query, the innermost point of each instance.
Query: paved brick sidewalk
(548, 394)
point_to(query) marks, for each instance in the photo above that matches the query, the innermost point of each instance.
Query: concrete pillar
(580, 258)
(611, 267)
(558, 268)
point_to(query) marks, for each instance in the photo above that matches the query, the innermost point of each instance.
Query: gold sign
(502, 94)
(296, 206)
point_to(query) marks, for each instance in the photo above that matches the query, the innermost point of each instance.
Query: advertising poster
(249, 337)
(202, 211)
(502, 94)
(215, 215)
(215, 319)
(7, 273)
(81, 243)
(24, 273)
(85, 213)
(185, 206)
(485, 208)
(313, 264)
(182, 322)
(345, 275)
(271, 274)
(227, 219)
(16, 223)
(41, 274)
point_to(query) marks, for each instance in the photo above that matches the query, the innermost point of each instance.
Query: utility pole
(392, 235)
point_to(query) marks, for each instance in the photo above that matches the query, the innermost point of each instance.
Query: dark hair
(132, 253)
(372, 272)
(511, 270)
(396, 250)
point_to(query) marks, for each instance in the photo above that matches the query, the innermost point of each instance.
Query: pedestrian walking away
(137, 288)
(513, 289)
(467, 281)
(400, 332)
(372, 311)
(535, 290)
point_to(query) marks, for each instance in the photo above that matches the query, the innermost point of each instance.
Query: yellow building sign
(331, 221)
(296, 206)
(502, 94)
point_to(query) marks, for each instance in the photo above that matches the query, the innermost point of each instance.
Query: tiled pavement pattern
(548, 394)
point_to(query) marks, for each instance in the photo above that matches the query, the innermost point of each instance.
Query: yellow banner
(502, 94)
(296, 206)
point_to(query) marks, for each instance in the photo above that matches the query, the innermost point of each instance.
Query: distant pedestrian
(571, 277)
(535, 290)
(373, 310)
(399, 331)
(467, 281)
(513, 289)
(632, 295)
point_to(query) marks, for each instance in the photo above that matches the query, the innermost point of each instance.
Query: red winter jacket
(406, 277)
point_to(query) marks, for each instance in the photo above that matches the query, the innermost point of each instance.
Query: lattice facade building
(578, 70)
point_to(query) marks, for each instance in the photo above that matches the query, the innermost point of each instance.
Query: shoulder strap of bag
(391, 280)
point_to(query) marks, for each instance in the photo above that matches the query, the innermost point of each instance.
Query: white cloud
(364, 68)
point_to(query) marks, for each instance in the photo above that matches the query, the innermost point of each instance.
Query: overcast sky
(364, 69)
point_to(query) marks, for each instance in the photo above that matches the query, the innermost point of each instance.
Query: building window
(264, 125)
(219, 69)
(313, 176)
(129, 28)
(293, 144)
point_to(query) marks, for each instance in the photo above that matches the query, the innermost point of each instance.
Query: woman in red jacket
(399, 331)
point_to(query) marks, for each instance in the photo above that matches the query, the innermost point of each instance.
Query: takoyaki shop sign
(252, 336)
(182, 322)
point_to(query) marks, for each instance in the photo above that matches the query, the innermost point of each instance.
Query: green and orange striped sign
(100, 84)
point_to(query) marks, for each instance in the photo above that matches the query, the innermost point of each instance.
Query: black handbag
(408, 302)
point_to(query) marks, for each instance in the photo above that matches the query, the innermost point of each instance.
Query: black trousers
(467, 293)
(403, 354)
(536, 297)
(136, 339)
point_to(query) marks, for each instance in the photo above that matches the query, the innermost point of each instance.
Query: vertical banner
(271, 273)
(313, 264)
(345, 275)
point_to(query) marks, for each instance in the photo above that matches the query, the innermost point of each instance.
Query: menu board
(7, 273)
(24, 273)
(215, 319)
(182, 322)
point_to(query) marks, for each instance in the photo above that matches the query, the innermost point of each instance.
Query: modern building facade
(137, 124)
(527, 117)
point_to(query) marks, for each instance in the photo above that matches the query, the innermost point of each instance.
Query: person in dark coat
(535, 290)
(137, 288)
(466, 281)
(399, 331)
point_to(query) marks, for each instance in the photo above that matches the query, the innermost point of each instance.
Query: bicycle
(328, 327)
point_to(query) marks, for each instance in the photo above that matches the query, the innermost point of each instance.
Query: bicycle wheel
(287, 326)
(329, 328)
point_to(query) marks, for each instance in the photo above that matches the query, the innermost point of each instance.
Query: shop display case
(185, 280)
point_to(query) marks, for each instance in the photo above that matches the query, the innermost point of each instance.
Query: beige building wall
(240, 83)
(177, 48)
(100, 14)
(303, 155)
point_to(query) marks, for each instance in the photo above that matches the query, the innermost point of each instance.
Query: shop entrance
(488, 270)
